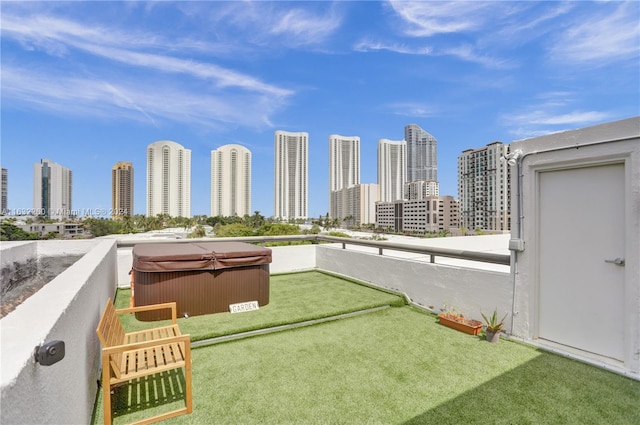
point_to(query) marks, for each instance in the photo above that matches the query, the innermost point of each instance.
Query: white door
(581, 288)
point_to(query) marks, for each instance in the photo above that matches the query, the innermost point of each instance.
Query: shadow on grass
(150, 395)
(532, 393)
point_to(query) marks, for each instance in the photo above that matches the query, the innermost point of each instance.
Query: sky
(89, 84)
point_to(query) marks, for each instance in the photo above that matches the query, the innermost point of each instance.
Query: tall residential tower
(344, 166)
(52, 190)
(122, 190)
(4, 207)
(230, 181)
(484, 188)
(422, 154)
(291, 175)
(168, 179)
(392, 162)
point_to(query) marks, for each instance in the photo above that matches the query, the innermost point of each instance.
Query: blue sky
(88, 84)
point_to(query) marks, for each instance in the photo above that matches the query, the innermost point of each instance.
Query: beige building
(419, 216)
(355, 205)
(122, 190)
(231, 181)
(484, 188)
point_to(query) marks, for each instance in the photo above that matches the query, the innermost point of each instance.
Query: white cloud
(149, 101)
(605, 36)
(428, 18)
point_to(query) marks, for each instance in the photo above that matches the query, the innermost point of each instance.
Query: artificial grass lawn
(395, 366)
(293, 298)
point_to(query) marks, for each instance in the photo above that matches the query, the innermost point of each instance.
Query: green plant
(492, 322)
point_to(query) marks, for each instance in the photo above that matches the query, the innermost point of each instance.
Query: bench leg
(106, 391)
(187, 374)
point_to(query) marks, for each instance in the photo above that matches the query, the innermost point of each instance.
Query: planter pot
(468, 326)
(493, 336)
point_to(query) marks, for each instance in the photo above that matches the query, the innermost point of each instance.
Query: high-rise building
(484, 188)
(291, 175)
(168, 179)
(420, 189)
(422, 154)
(122, 190)
(344, 166)
(230, 181)
(52, 190)
(419, 216)
(4, 207)
(355, 205)
(392, 163)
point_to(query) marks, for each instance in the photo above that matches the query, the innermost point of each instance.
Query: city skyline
(90, 84)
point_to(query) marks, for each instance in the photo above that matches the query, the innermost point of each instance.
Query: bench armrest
(146, 344)
(171, 305)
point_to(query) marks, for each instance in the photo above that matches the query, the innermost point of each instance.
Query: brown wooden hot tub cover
(161, 257)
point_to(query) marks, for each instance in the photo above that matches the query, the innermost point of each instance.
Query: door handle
(618, 261)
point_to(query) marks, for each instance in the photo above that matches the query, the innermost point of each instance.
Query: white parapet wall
(66, 309)
(432, 286)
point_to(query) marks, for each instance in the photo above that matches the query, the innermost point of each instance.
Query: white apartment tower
(344, 166)
(291, 180)
(230, 181)
(122, 190)
(52, 190)
(422, 154)
(484, 188)
(392, 162)
(4, 206)
(168, 179)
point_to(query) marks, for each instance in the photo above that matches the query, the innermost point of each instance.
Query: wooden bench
(132, 355)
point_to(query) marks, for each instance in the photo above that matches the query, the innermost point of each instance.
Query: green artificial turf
(394, 366)
(293, 298)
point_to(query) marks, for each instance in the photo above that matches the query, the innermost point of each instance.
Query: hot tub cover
(162, 257)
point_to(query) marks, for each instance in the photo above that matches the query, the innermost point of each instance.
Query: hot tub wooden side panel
(200, 292)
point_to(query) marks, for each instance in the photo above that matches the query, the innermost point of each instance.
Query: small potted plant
(453, 319)
(494, 326)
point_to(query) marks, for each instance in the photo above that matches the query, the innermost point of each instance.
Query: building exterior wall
(168, 179)
(231, 181)
(422, 154)
(122, 190)
(68, 309)
(484, 188)
(449, 213)
(4, 204)
(605, 144)
(344, 165)
(52, 190)
(355, 205)
(421, 189)
(291, 180)
(65, 230)
(392, 164)
(431, 286)
(389, 215)
(420, 216)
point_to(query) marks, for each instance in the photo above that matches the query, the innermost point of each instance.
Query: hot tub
(201, 277)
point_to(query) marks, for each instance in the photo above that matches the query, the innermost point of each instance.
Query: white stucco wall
(67, 308)
(611, 142)
(470, 290)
